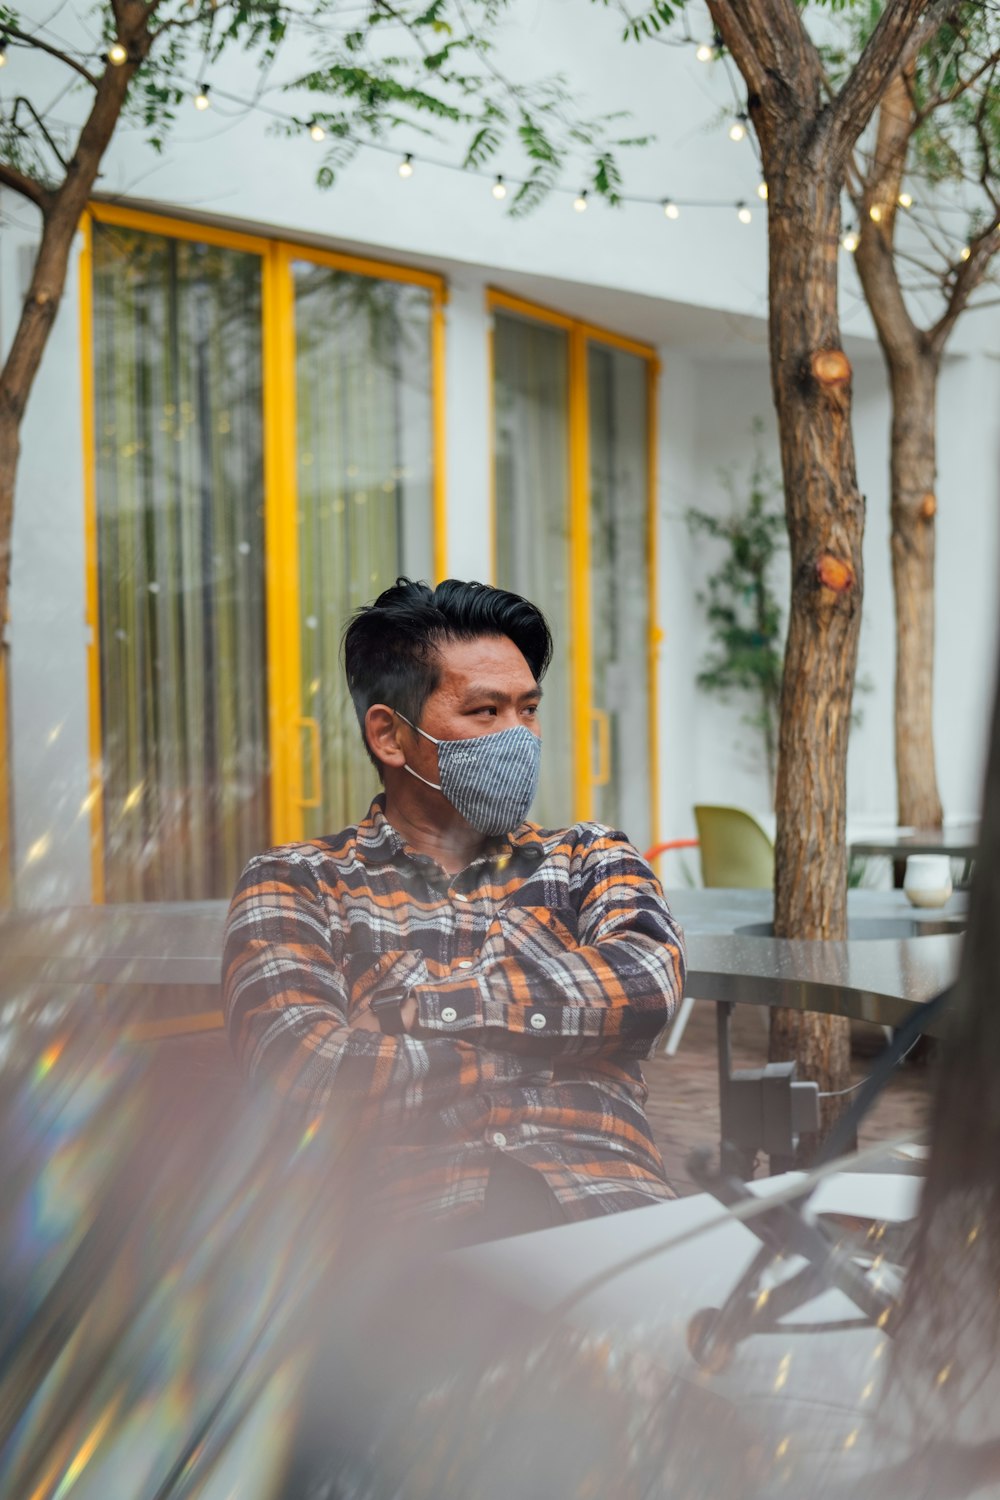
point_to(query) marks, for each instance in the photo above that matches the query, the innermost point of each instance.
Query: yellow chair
(735, 853)
(735, 850)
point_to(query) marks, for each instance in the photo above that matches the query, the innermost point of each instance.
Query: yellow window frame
(285, 722)
(583, 714)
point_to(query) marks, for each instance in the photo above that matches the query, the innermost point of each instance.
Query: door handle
(602, 774)
(316, 799)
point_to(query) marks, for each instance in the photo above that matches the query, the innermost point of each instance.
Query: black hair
(391, 646)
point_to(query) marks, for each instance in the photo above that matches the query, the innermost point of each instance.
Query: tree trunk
(912, 360)
(61, 210)
(811, 380)
(913, 508)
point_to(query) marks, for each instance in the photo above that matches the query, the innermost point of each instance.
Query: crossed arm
(611, 987)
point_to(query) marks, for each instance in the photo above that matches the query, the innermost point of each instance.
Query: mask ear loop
(435, 786)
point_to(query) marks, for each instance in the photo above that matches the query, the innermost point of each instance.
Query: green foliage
(408, 66)
(742, 610)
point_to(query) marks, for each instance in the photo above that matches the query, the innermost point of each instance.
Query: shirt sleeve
(611, 986)
(286, 1005)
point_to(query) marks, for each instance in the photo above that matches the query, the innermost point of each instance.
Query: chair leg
(681, 1019)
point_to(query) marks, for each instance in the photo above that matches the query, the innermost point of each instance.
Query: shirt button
(449, 1014)
(465, 963)
(460, 897)
(538, 1020)
(499, 1139)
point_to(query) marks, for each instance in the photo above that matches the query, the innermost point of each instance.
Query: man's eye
(489, 708)
(531, 710)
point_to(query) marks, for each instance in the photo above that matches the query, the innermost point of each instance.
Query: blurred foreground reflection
(195, 1303)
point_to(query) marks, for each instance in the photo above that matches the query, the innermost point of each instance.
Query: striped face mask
(491, 779)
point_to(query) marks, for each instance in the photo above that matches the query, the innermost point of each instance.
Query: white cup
(928, 879)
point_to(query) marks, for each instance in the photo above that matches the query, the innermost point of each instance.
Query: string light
(743, 213)
(580, 202)
(201, 99)
(499, 188)
(738, 129)
(762, 191)
(905, 200)
(875, 213)
(705, 53)
(670, 209)
(851, 240)
(316, 131)
(3, 50)
(406, 165)
(966, 252)
(117, 54)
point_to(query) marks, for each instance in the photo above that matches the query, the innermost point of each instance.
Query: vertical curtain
(180, 533)
(364, 425)
(620, 615)
(531, 448)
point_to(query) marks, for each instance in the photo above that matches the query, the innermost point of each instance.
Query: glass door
(618, 384)
(363, 379)
(532, 530)
(573, 420)
(265, 458)
(178, 431)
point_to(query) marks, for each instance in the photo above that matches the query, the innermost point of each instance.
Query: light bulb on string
(875, 213)
(851, 239)
(201, 99)
(705, 53)
(905, 200)
(117, 54)
(499, 188)
(762, 191)
(743, 213)
(670, 209)
(406, 166)
(580, 202)
(3, 50)
(738, 129)
(316, 131)
(966, 252)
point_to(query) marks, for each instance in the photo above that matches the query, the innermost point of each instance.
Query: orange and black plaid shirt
(543, 972)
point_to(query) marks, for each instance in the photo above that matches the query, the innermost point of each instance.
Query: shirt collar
(379, 843)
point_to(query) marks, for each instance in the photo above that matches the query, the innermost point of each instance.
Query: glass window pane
(178, 438)
(619, 480)
(531, 446)
(364, 425)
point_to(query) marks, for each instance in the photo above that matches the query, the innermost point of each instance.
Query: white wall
(48, 665)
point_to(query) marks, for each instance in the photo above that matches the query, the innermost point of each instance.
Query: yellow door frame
(286, 724)
(584, 715)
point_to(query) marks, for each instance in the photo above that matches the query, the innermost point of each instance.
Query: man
(470, 994)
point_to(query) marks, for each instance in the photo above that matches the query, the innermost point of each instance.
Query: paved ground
(684, 1093)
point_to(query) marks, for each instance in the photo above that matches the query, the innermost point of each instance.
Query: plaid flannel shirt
(543, 972)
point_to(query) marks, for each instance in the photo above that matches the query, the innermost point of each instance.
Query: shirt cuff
(458, 1008)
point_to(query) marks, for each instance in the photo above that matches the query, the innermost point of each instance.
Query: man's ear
(382, 729)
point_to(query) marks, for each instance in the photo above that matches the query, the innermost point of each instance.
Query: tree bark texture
(912, 361)
(811, 379)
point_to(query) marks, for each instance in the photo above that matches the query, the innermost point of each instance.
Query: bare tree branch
(961, 87)
(968, 275)
(903, 29)
(28, 187)
(42, 46)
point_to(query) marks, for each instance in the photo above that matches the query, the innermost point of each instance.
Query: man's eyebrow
(494, 695)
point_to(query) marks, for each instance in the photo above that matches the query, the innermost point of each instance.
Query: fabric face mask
(491, 779)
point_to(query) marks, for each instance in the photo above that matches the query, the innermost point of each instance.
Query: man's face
(486, 686)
